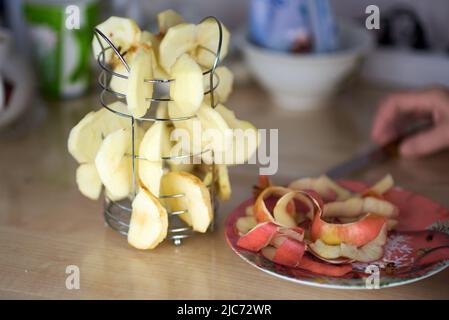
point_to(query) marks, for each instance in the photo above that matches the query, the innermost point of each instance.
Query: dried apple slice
(224, 185)
(195, 199)
(150, 153)
(187, 88)
(245, 140)
(167, 19)
(88, 181)
(114, 165)
(207, 39)
(86, 137)
(224, 87)
(119, 84)
(179, 39)
(149, 222)
(216, 134)
(137, 90)
(122, 32)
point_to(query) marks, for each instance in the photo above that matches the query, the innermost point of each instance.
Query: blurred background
(307, 58)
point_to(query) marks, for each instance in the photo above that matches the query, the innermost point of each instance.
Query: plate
(419, 248)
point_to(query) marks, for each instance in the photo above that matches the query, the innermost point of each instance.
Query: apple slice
(149, 221)
(245, 140)
(355, 207)
(150, 161)
(208, 36)
(118, 84)
(88, 181)
(216, 134)
(87, 136)
(382, 186)
(195, 200)
(122, 32)
(244, 224)
(167, 19)
(114, 165)
(224, 87)
(224, 185)
(187, 88)
(324, 186)
(137, 90)
(179, 39)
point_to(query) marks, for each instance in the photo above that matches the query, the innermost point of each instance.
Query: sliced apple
(179, 39)
(208, 36)
(119, 84)
(223, 183)
(355, 207)
(114, 165)
(138, 90)
(245, 139)
(324, 186)
(150, 161)
(216, 135)
(122, 32)
(88, 181)
(187, 88)
(244, 224)
(167, 19)
(86, 137)
(195, 199)
(224, 87)
(382, 186)
(149, 221)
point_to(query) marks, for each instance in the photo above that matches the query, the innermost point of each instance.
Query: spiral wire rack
(117, 214)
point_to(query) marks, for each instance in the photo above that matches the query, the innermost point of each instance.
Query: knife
(379, 154)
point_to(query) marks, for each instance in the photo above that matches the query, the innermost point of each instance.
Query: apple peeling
(258, 237)
(371, 251)
(337, 232)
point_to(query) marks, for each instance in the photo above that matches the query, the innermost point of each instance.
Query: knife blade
(379, 154)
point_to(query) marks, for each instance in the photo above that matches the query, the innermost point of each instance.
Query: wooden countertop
(46, 224)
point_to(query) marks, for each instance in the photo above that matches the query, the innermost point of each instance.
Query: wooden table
(46, 224)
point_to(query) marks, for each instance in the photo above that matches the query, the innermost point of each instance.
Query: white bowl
(306, 81)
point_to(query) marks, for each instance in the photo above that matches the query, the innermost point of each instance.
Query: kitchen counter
(47, 225)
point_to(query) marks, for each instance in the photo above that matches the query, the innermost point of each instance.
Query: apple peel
(258, 237)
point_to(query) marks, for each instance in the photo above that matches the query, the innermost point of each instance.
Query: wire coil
(117, 214)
